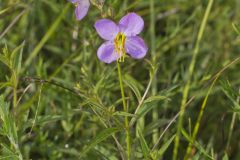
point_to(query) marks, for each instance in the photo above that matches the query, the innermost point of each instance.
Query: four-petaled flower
(82, 7)
(121, 38)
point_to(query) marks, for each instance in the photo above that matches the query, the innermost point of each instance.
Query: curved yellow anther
(119, 45)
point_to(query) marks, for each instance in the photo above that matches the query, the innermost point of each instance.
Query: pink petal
(136, 47)
(106, 28)
(82, 9)
(106, 52)
(131, 24)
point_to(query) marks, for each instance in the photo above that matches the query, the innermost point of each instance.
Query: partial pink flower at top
(121, 38)
(82, 7)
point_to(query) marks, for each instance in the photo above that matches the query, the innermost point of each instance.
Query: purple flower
(121, 38)
(82, 7)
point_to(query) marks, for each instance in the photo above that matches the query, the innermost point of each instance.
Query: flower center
(119, 45)
(76, 4)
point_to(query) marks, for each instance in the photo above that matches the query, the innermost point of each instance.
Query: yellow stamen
(75, 4)
(119, 46)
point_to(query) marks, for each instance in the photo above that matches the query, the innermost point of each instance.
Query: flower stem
(128, 138)
(154, 87)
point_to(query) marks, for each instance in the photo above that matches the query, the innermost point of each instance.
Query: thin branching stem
(169, 124)
(128, 139)
(38, 104)
(153, 54)
(142, 99)
(120, 148)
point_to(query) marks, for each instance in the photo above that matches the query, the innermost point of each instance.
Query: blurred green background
(66, 97)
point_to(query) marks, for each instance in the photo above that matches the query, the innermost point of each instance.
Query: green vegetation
(181, 101)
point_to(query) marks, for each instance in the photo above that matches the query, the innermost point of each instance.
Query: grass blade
(46, 37)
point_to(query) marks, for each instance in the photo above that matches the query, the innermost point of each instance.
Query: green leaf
(5, 60)
(5, 10)
(197, 156)
(134, 85)
(16, 58)
(165, 146)
(5, 84)
(154, 125)
(196, 144)
(231, 94)
(3, 110)
(237, 30)
(145, 148)
(147, 106)
(225, 157)
(43, 120)
(99, 138)
(7, 153)
(155, 98)
(120, 113)
(8, 124)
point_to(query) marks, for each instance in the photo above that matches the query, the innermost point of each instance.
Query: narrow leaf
(120, 113)
(236, 28)
(165, 146)
(196, 144)
(5, 84)
(4, 60)
(134, 85)
(225, 157)
(155, 98)
(16, 56)
(99, 138)
(147, 106)
(145, 148)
